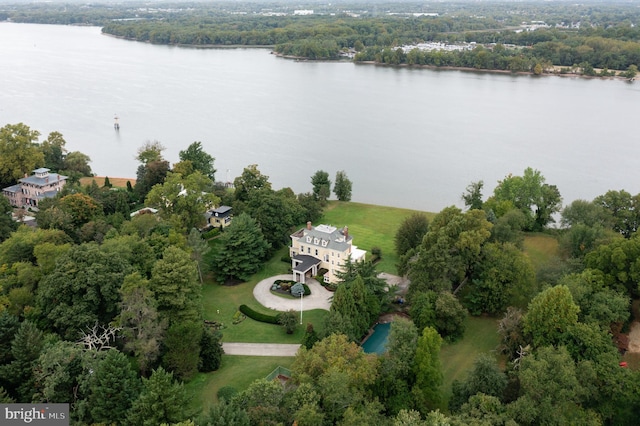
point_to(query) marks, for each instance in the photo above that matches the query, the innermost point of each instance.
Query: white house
(322, 247)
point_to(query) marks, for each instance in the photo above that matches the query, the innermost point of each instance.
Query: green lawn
(480, 336)
(541, 249)
(236, 371)
(371, 226)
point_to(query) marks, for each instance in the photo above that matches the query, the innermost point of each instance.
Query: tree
(530, 194)
(76, 165)
(276, 212)
(589, 213)
(58, 373)
(150, 152)
(250, 180)
(449, 251)
(510, 330)
(174, 282)
(25, 350)
(473, 196)
(200, 160)
(262, 401)
(199, 248)
(7, 224)
(210, 350)
(242, 250)
(82, 290)
(485, 378)
(182, 349)
(342, 187)
(289, 320)
(450, 317)
(551, 392)
(113, 389)
(19, 152)
(321, 185)
(549, 315)
(54, 151)
(226, 413)
(182, 200)
(410, 233)
(631, 72)
(619, 262)
(624, 211)
(161, 400)
(427, 370)
(141, 329)
(504, 274)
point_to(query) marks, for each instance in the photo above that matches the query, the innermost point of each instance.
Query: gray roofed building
(30, 190)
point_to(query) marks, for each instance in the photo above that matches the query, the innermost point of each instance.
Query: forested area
(104, 311)
(579, 38)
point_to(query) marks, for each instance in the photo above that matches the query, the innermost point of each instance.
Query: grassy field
(236, 371)
(457, 358)
(115, 182)
(541, 249)
(371, 226)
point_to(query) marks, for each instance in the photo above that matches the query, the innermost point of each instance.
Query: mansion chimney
(345, 232)
(309, 225)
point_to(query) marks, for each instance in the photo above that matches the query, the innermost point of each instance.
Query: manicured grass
(221, 303)
(371, 226)
(480, 336)
(236, 371)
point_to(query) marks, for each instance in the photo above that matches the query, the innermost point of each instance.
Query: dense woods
(579, 38)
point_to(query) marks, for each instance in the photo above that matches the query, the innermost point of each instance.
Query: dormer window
(308, 239)
(316, 241)
(324, 243)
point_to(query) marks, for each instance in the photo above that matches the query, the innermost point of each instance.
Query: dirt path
(634, 337)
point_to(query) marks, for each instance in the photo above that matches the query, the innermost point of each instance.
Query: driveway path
(260, 349)
(318, 299)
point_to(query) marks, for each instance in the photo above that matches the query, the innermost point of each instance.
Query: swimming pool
(377, 342)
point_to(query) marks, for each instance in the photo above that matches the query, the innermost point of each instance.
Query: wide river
(410, 138)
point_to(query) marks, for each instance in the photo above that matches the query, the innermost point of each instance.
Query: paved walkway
(260, 349)
(320, 298)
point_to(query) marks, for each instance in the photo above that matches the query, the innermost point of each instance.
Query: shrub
(307, 290)
(227, 393)
(238, 317)
(258, 316)
(286, 259)
(376, 251)
(211, 233)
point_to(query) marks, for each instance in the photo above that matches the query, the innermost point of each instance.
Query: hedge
(258, 316)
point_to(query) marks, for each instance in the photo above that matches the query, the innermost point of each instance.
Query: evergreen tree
(161, 400)
(183, 349)
(25, 350)
(113, 389)
(225, 414)
(242, 250)
(210, 350)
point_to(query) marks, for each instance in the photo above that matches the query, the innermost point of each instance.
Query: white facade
(322, 247)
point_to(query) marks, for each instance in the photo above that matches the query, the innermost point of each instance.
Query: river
(411, 138)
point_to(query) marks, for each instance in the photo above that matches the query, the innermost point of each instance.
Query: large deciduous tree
(242, 249)
(7, 224)
(450, 250)
(624, 211)
(342, 187)
(250, 180)
(200, 160)
(82, 290)
(550, 314)
(54, 151)
(183, 201)
(410, 233)
(427, 370)
(530, 194)
(19, 152)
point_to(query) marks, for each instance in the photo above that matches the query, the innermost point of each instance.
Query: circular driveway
(320, 298)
